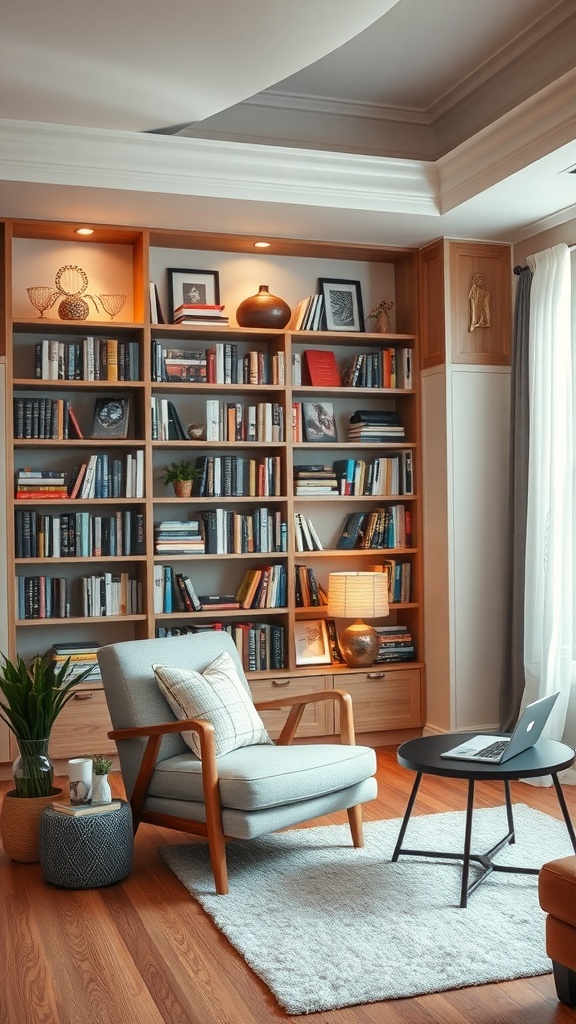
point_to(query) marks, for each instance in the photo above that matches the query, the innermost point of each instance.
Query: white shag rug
(327, 926)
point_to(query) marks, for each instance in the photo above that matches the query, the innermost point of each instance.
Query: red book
(322, 368)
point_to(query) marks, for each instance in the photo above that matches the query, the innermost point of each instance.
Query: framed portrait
(192, 287)
(342, 304)
(312, 646)
(318, 422)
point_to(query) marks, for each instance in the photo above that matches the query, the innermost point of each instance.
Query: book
(111, 417)
(80, 810)
(318, 422)
(322, 368)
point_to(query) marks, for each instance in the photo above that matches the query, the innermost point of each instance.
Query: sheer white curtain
(550, 574)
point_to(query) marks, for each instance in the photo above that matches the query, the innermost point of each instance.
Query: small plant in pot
(101, 792)
(31, 698)
(181, 475)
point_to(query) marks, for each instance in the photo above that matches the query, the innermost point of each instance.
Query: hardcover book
(111, 417)
(318, 421)
(322, 368)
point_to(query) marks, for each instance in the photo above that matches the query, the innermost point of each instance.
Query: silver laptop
(495, 749)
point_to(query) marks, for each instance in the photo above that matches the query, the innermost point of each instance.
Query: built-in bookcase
(262, 387)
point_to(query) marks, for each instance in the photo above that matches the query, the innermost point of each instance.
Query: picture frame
(343, 310)
(111, 417)
(311, 642)
(319, 423)
(192, 286)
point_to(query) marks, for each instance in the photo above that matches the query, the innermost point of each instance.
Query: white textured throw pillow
(218, 696)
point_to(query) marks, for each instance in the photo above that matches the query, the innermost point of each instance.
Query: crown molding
(538, 126)
(101, 158)
(336, 108)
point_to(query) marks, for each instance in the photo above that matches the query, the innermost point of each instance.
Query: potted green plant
(381, 314)
(181, 475)
(31, 698)
(101, 792)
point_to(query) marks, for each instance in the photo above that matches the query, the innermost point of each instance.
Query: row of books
(389, 527)
(173, 591)
(221, 363)
(42, 597)
(78, 534)
(390, 474)
(45, 418)
(228, 532)
(236, 475)
(389, 368)
(101, 476)
(87, 359)
(308, 592)
(305, 535)
(166, 424)
(232, 421)
(308, 314)
(260, 645)
(108, 593)
(264, 587)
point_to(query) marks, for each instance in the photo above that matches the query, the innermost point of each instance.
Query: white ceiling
(383, 121)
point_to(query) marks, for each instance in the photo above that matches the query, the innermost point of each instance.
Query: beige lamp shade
(358, 595)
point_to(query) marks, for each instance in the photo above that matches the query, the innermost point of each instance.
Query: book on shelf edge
(81, 810)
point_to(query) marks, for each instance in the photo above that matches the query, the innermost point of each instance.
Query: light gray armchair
(245, 793)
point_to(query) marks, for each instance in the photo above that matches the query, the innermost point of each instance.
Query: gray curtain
(512, 687)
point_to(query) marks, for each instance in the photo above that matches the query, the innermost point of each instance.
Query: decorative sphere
(263, 310)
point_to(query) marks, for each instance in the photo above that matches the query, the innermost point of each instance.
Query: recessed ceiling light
(261, 245)
(84, 231)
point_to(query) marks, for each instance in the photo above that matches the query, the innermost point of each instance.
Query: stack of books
(200, 313)
(80, 810)
(371, 427)
(35, 484)
(396, 644)
(82, 655)
(316, 479)
(178, 537)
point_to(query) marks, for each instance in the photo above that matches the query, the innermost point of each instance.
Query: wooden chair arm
(298, 702)
(210, 778)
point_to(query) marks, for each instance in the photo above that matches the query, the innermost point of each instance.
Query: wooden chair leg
(355, 821)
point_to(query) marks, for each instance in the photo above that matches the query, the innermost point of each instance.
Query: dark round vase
(263, 310)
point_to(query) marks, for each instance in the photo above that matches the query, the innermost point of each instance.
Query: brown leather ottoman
(557, 893)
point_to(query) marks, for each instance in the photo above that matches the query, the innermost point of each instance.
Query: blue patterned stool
(86, 852)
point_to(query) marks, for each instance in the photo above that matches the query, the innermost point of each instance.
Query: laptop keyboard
(493, 749)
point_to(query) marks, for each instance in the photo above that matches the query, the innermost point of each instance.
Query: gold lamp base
(359, 644)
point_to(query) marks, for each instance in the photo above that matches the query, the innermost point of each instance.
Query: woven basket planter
(20, 825)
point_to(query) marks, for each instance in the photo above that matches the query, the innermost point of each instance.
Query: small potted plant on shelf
(181, 475)
(101, 792)
(31, 698)
(381, 314)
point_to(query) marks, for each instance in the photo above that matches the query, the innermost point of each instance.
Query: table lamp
(358, 595)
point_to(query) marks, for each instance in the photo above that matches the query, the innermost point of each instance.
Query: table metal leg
(564, 810)
(407, 814)
(511, 834)
(467, 841)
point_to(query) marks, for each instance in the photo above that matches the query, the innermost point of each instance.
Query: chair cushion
(218, 696)
(261, 777)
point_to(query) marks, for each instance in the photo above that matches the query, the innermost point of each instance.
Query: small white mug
(80, 776)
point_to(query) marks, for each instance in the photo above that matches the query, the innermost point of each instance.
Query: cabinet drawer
(82, 726)
(318, 718)
(382, 698)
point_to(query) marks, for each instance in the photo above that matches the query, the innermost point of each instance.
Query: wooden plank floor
(144, 952)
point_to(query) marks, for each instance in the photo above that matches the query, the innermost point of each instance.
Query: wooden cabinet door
(318, 718)
(382, 698)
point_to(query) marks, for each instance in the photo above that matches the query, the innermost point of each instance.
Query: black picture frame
(343, 310)
(193, 286)
(111, 417)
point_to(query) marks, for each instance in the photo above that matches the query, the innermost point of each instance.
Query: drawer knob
(83, 696)
(376, 675)
(284, 682)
